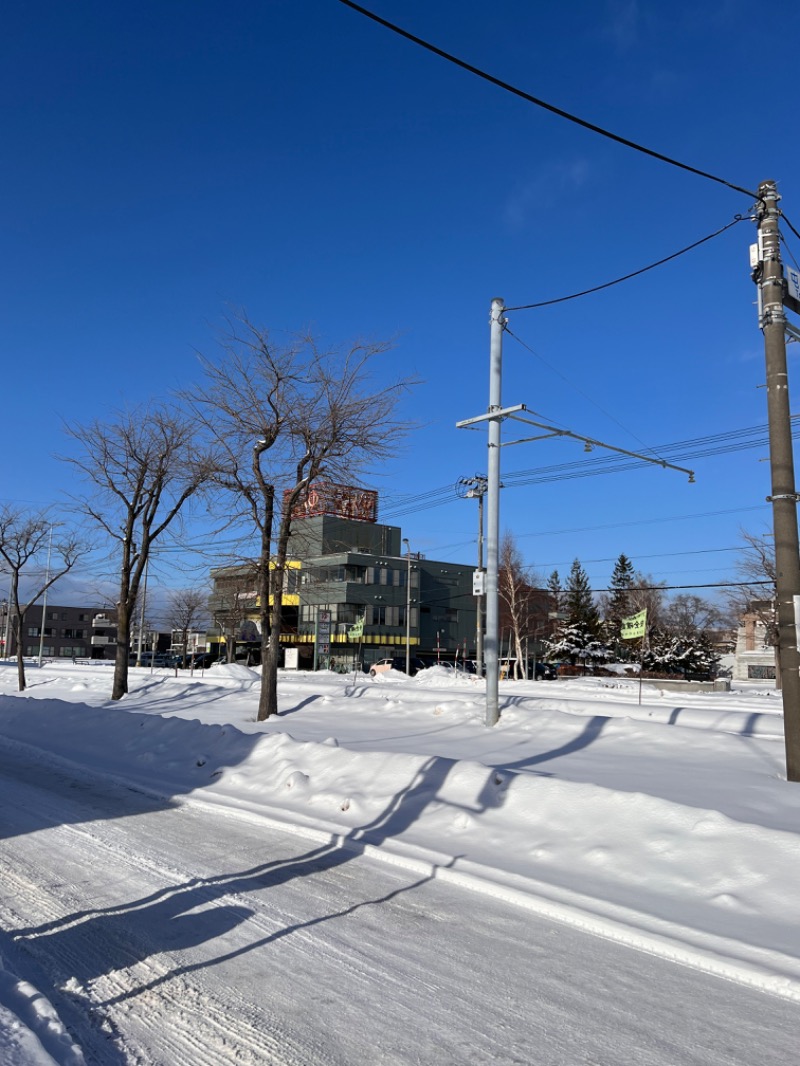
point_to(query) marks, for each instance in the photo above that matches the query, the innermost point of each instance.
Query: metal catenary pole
(497, 323)
(494, 417)
(408, 606)
(769, 275)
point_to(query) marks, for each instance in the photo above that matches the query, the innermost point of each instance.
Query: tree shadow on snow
(176, 919)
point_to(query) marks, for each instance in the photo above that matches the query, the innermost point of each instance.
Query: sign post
(322, 640)
(635, 628)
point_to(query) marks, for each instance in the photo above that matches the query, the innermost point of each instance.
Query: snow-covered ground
(660, 820)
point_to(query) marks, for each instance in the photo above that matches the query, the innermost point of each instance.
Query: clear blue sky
(164, 163)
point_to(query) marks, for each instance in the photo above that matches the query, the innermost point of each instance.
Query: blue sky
(166, 163)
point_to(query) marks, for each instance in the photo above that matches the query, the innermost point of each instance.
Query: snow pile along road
(665, 827)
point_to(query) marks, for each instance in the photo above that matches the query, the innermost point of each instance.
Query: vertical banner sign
(356, 632)
(323, 648)
(634, 627)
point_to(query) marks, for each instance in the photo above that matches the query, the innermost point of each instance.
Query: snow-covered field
(665, 824)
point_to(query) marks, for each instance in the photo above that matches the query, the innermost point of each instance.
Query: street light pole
(6, 625)
(408, 607)
(477, 490)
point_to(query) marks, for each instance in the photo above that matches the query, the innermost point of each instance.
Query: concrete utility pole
(768, 273)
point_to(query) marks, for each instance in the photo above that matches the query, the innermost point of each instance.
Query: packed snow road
(182, 934)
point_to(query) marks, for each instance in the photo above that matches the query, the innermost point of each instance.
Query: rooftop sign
(342, 501)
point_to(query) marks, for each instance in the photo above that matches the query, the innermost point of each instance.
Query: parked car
(545, 672)
(201, 660)
(396, 662)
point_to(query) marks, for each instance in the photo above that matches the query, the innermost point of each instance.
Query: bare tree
(29, 554)
(647, 594)
(144, 466)
(756, 594)
(756, 568)
(283, 417)
(689, 614)
(187, 610)
(516, 594)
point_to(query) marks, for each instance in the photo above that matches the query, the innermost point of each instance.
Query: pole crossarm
(501, 412)
(514, 413)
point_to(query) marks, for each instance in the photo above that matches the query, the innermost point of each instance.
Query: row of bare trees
(265, 421)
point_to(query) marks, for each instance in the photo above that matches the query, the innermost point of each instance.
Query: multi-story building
(68, 633)
(755, 643)
(347, 568)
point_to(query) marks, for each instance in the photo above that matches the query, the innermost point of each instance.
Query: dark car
(201, 660)
(545, 672)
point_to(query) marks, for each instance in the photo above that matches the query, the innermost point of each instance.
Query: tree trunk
(125, 609)
(268, 693)
(120, 685)
(268, 697)
(520, 664)
(17, 625)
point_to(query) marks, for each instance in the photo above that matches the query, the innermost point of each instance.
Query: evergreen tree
(576, 638)
(575, 642)
(617, 605)
(556, 592)
(683, 655)
(580, 601)
(620, 585)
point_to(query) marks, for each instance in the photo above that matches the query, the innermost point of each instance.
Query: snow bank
(31, 1032)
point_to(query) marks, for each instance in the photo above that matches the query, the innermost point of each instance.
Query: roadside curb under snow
(769, 971)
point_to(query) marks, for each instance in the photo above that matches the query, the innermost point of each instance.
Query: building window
(761, 673)
(384, 615)
(34, 631)
(73, 634)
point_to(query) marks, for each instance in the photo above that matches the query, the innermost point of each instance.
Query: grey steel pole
(784, 497)
(44, 599)
(408, 607)
(498, 321)
(479, 599)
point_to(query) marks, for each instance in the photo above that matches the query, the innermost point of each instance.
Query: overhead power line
(543, 103)
(734, 440)
(633, 274)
